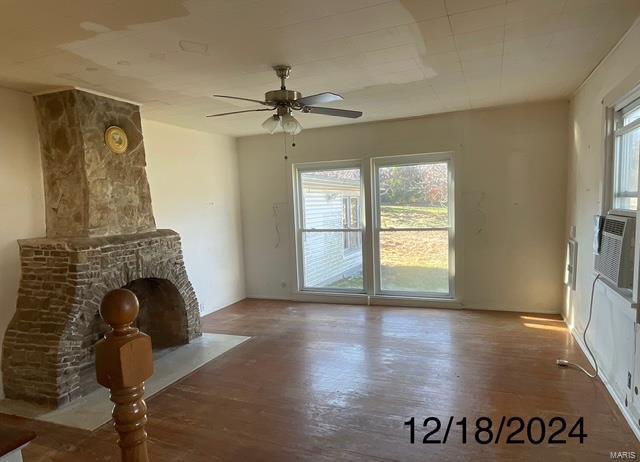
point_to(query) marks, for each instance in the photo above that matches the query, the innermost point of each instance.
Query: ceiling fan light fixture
(290, 125)
(271, 124)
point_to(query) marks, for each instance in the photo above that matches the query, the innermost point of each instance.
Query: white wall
(193, 178)
(611, 333)
(511, 186)
(21, 194)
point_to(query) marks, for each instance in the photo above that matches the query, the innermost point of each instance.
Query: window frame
(299, 220)
(414, 159)
(614, 114)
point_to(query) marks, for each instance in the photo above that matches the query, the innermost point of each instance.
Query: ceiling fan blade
(264, 103)
(332, 112)
(239, 112)
(320, 98)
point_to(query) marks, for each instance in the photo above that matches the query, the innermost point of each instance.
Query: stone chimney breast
(89, 190)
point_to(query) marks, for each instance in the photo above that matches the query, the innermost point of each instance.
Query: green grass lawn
(393, 216)
(411, 261)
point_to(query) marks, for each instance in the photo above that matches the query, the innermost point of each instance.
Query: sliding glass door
(330, 229)
(413, 233)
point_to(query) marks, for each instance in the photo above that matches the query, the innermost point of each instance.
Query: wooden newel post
(123, 362)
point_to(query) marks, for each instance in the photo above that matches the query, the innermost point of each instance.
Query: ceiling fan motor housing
(282, 97)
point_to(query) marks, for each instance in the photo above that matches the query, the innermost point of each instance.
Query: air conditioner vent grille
(609, 262)
(614, 260)
(614, 226)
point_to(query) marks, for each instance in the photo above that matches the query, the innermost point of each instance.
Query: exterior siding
(325, 258)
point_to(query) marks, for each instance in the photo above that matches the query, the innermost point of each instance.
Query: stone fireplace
(101, 235)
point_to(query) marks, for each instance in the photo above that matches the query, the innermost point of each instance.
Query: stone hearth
(101, 235)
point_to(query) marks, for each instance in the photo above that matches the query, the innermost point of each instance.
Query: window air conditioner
(614, 262)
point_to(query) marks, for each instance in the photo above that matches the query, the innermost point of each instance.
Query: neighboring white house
(331, 204)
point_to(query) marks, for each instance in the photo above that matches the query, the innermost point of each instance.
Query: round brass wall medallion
(116, 139)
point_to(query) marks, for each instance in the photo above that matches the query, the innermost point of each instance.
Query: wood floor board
(321, 382)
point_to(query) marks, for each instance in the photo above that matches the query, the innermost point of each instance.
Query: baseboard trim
(268, 297)
(206, 311)
(631, 421)
(360, 299)
(513, 310)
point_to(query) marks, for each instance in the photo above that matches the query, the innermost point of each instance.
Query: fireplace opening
(163, 317)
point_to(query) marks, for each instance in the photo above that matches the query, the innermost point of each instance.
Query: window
(413, 226)
(409, 249)
(330, 229)
(626, 157)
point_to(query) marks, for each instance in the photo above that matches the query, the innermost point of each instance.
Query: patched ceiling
(389, 59)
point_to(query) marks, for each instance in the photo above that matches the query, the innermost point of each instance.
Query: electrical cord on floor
(566, 363)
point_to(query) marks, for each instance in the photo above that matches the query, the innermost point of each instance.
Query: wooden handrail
(123, 362)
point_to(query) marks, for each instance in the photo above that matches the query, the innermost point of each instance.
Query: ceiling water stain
(82, 20)
(193, 47)
(94, 27)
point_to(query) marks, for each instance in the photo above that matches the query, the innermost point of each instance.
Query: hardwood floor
(334, 382)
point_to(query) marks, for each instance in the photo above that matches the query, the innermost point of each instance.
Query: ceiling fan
(284, 102)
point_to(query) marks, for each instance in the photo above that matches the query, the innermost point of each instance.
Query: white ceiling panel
(474, 20)
(433, 29)
(388, 58)
(521, 10)
(480, 38)
(461, 6)
(531, 27)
